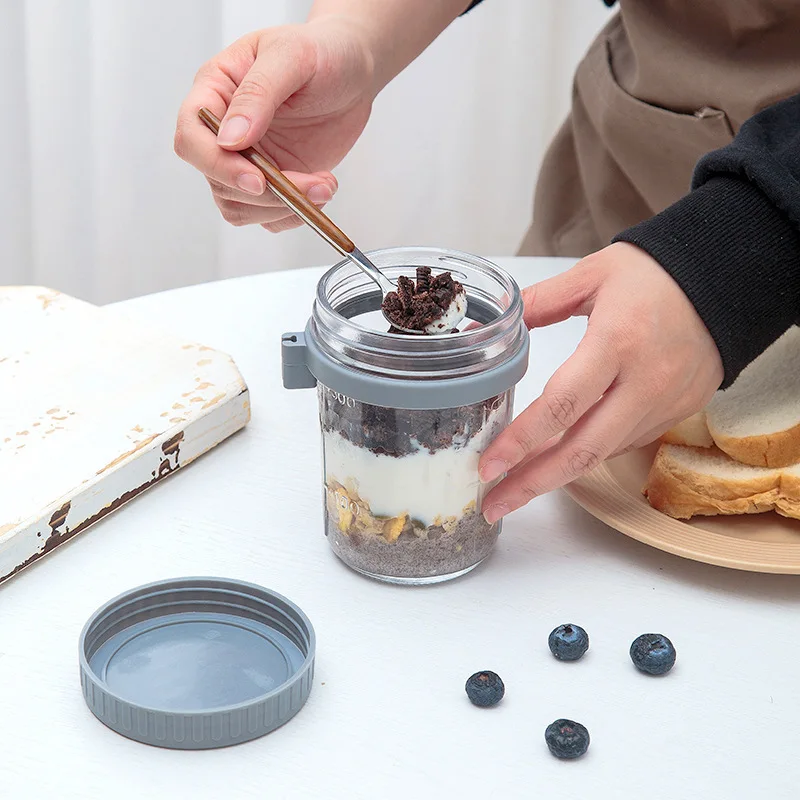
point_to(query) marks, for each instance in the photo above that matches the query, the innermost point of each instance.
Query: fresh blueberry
(485, 689)
(566, 739)
(653, 653)
(568, 642)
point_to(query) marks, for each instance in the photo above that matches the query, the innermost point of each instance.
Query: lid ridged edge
(203, 729)
(197, 731)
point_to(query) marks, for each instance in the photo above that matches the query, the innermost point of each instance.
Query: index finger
(197, 145)
(598, 434)
(574, 388)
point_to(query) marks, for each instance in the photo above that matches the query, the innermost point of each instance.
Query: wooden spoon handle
(289, 193)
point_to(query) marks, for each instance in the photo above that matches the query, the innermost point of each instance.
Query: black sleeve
(471, 6)
(733, 242)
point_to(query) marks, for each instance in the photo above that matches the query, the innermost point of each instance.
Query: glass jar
(405, 418)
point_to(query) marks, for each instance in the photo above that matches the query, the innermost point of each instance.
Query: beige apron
(665, 82)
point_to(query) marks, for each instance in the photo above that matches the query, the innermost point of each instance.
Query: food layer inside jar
(403, 494)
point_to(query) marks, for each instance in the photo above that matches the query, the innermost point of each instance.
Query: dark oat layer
(434, 553)
(399, 432)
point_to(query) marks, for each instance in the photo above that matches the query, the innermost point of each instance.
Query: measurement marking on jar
(343, 501)
(341, 398)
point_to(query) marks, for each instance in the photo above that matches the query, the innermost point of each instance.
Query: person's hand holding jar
(646, 362)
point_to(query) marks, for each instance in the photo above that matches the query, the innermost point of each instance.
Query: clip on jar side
(405, 418)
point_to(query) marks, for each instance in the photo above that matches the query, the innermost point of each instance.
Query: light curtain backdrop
(94, 202)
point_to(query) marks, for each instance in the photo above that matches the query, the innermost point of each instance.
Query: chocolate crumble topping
(415, 306)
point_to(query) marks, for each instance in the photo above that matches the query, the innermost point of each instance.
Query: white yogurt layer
(424, 485)
(452, 317)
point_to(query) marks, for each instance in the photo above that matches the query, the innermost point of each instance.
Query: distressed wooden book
(94, 409)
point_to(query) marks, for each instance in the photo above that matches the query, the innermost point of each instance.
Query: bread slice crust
(678, 486)
(757, 419)
(780, 449)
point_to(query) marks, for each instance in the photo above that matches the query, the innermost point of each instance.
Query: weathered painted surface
(94, 409)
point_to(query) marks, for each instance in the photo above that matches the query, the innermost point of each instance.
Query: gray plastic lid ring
(196, 663)
(305, 364)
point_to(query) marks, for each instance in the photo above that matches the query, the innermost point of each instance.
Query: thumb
(570, 294)
(283, 65)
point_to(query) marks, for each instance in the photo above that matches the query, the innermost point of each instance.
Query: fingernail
(233, 130)
(320, 193)
(492, 469)
(250, 183)
(495, 512)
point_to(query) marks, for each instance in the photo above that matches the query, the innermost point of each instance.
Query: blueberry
(568, 642)
(566, 739)
(653, 653)
(485, 689)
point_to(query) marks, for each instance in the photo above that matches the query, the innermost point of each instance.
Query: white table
(388, 717)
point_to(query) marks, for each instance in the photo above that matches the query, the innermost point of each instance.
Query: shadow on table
(755, 585)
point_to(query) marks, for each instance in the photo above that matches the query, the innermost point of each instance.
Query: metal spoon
(286, 191)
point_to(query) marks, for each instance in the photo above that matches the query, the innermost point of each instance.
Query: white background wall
(94, 202)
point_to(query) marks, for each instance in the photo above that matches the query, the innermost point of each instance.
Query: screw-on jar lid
(197, 663)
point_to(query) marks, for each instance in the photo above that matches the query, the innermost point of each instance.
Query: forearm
(733, 243)
(397, 30)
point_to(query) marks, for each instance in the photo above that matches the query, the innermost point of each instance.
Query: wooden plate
(756, 542)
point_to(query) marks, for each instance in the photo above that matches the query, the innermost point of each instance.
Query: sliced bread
(692, 432)
(688, 481)
(757, 420)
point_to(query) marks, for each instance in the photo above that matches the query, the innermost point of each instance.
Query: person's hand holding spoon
(446, 304)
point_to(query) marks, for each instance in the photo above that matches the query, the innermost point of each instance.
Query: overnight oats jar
(405, 418)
